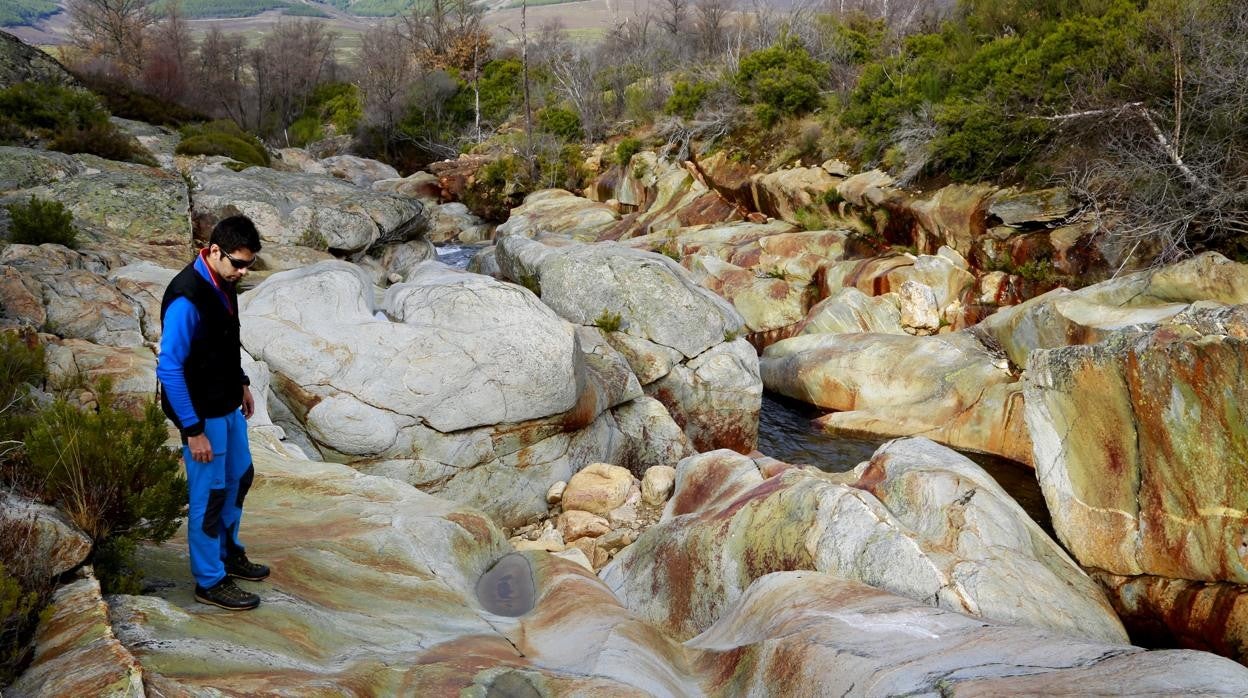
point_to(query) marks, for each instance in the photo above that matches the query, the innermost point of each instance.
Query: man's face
(230, 266)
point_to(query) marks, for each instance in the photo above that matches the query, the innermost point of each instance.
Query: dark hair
(234, 233)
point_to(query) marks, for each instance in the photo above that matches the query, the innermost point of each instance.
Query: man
(208, 397)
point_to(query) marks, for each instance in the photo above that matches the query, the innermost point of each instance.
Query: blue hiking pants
(217, 490)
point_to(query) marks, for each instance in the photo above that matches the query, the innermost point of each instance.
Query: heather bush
(40, 221)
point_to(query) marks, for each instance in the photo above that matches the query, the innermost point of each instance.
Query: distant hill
(19, 12)
(15, 13)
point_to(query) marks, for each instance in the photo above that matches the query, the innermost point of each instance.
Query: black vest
(213, 369)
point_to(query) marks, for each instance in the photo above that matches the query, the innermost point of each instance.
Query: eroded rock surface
(1140, 447)
(917, 520)
(302, 209)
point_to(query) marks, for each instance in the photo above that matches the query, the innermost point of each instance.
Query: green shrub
(123, 100)
(112, 474)
(74, 120)
(784, 80)
(223, 137)
(608, 321)
(687, 98)
(336, 103)
(625, 150)
(40, 221)
(104, 140)
(496, 188)
(51, 107)
(560, 122)
(17, 623)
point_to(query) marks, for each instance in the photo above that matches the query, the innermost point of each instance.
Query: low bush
(115, 478)
(40, 221)
(608, 321)
(51, 107)
(687, 97)
(75, 121)
(496, 188)
(104, 140)
(560, 122)
(223, 137)
(625, 150)
(782, 80)
(128, 103)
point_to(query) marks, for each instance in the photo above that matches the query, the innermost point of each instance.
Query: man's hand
(249, 403)
(201, 448)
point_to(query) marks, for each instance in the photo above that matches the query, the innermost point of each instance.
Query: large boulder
(457, 383)
(47, 537)
(302, 209)
(1140, 447)
(950, 388)
(1136, 301)
(144, 284)
(809, 634)
(130, 370)
(917, 520)
(77, 301)
(561, 212)
(1163, 612)
(362, 172)
(23, 168)
(118, 207)
(849, 311)
(653, 296)
(20, 62)
(454, 350)
(715, 397)
(681, 339)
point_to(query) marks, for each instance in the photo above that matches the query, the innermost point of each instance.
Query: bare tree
(111, 29)
(711, 21)
(447, 34)
(386, 76)
(223, 76)
(288, 65)
(673, 15)
(167, 61)
(1175, 180)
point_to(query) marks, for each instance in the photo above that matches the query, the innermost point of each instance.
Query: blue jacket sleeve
(181, 319)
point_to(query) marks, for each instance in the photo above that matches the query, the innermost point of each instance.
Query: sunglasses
(238, 263)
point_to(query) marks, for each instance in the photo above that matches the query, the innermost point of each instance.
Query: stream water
(785, 433)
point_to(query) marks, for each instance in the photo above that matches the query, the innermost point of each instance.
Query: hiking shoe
(239, 567)
(227, 595)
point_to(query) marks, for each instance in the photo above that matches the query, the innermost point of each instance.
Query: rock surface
(50, 537)
(302, 209)
(1140, 448)
(803, 633)
(918, 520)
(950, 388)
(77, 652)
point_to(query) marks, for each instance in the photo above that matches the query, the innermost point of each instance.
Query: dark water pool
(457, 256)
(785, 433)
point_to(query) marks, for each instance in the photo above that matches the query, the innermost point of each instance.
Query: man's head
(233, 246)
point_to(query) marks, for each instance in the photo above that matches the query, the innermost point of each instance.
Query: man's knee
(244, 485)
(212, 513)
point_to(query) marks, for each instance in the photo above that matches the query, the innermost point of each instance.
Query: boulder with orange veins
(950, 388)
(918, 520)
